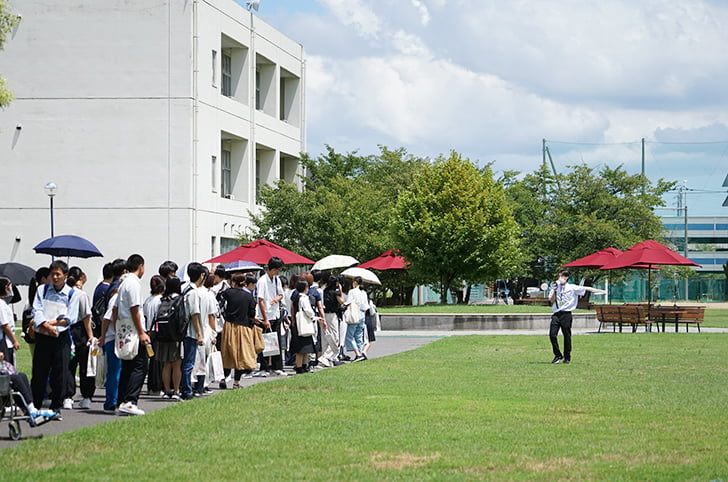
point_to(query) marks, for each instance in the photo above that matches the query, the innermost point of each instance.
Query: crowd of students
(229, 313)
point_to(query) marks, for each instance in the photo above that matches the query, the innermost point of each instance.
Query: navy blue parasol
(68, 245)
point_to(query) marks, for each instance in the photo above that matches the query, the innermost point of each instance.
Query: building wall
(118, 107)
(707, 239)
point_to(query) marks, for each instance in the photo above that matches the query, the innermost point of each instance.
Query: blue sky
(491, 79)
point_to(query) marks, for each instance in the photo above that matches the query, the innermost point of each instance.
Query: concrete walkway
(388, 343)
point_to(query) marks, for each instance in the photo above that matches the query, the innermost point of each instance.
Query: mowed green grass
(642, 406)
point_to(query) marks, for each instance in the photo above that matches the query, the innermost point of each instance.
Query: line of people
(222, 313)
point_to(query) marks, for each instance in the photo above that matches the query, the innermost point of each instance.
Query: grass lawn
(629, 407)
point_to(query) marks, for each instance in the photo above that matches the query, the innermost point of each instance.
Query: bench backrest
(621, 314)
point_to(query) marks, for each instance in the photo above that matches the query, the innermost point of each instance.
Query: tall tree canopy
(345, 207)
(7, 22)
(453, 225)
(572, 215)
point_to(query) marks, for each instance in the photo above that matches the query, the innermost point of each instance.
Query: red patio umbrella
(595, 260)
(260, 251)
(646, 254)
(388, 260)
(599, 259)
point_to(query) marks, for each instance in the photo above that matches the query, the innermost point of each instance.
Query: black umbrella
(68, 245)
(19, 274)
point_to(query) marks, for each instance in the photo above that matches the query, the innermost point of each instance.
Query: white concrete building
(157, 120)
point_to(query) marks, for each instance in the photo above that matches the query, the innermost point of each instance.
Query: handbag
(272, 348)
(351, 315)
(258, 342)
(304, 324)
(101, 369)
(214, 365)
(91, 364)
(126, 346)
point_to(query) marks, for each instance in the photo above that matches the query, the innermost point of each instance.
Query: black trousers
(561, 320)
(272, 362)
(133, 373)
(51, 358)
(80, 361)
(19, 383)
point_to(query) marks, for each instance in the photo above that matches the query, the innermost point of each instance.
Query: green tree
(572, 215)
(7, 22)
(346, 205)
(453, 225)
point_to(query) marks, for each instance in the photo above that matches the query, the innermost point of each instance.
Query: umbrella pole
(649, 289)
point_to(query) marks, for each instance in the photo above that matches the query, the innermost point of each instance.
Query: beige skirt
(238, 347)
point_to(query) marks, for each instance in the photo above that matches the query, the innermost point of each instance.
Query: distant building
(707, 239)
(158, 121)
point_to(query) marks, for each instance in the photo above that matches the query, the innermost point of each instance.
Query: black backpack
(172, 320)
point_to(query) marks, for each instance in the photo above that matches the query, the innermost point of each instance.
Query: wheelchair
(13, 408)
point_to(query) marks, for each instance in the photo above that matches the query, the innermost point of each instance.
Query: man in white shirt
(195, 333)
(270, 294)
(564, 298)
(129, 303)
(55, 309)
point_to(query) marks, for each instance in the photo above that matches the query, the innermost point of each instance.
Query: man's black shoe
(567, 361)
(557, 359)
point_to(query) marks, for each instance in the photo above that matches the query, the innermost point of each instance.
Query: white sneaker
(85, 404)
(129, 408)
(68, 404)
(280, 373)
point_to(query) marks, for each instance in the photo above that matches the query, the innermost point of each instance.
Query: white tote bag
(127, 340)
(352, 314)
(304, 324)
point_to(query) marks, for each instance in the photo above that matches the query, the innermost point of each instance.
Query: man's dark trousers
(561, 320)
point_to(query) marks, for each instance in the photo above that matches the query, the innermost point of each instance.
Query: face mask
(561, 281)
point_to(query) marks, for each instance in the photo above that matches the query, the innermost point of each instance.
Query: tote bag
(272, 348)
(351, 315)
(304, 324)
(126, 346)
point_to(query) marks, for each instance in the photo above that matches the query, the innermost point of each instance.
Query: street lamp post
(50, 189)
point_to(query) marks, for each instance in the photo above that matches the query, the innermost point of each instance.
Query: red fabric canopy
(595, 260)
(260, 251)
(388, 260)
(648, 253)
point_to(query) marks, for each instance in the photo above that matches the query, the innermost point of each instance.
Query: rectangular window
(213, 174)
(227, 75)
(214, 68)
(257, 89)
(282, 101)
(226, 178)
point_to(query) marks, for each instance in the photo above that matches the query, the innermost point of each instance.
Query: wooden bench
(678, 314)
(619, 315)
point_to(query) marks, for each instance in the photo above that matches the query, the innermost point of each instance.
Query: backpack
(98, 310)
(172, 320)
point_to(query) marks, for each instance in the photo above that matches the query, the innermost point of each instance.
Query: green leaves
(583, 212)
(453, 225)
(7, 22)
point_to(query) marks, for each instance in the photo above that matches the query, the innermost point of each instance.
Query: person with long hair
(169, 353)
(7, 321)
(302, 346)
(238, 342)
(150, 307)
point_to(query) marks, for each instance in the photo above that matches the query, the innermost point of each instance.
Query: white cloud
(424, 12)
(356, 14)
(491, 79)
